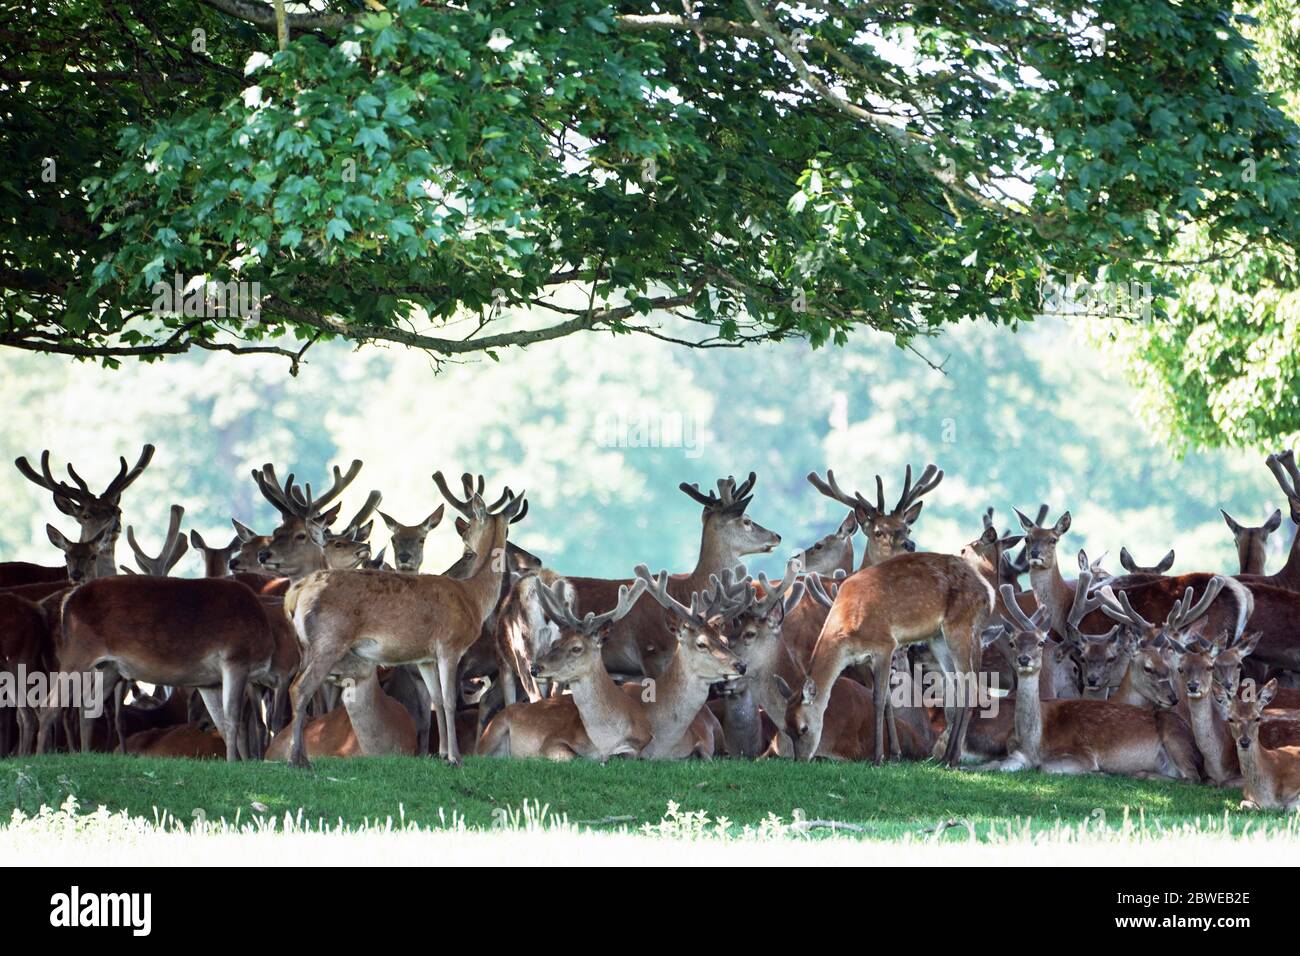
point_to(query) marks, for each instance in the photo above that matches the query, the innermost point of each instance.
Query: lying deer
(596, 720)
(391, 618)
(370, 723)
(1085, 736)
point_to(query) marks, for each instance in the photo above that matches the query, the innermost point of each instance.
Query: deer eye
(702, 645)
(300, 536)
(575, 649)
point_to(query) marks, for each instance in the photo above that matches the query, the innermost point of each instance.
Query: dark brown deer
(216, 561)
(1158, 569)
(1252, 543)
(888, 532)
(1287, 474)
(92, 512)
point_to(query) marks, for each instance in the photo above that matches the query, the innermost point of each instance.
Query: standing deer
(1252, 542)
(1271, 778)
(833, 552)
(641, 644)
(297, 547)
(1287, 475)
(408, 539)
(392, 618)
(92, 512)
(596, 720)
(888, 532)
(216, 561)
(909, 599)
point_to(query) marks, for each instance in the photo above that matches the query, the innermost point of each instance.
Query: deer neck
(678, 697)
(1256, 772)
(1029, 715)
(1213, 739)
(1127, 692)
(1051, 592)
(1289, 576)
(483, 583)
(743, 728)
(716, 555)
(602, 707)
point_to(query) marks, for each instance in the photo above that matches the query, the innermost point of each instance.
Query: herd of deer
(301, 643)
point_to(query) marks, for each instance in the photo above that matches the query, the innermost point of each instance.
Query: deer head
(1027, 634)
(988, 550)
(729, 533)
(755, 632)
(577, 652)
(833, 551)
(216, 561)
(1252, 542)
(701, 649)
(92, 512)
(82, 557)
(1102, 658)
(1245, 711)
(1132, 567)
(297, 546)
(888, 532)
(1041, 541)
(251, 544)
(408, 539)
(350, 548)
(476, 536)
(173, 549)
(1203, 665)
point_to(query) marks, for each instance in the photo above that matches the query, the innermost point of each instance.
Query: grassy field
(888, 803)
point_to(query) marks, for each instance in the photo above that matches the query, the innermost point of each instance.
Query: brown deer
(911, 598)
(370, 722)
(989, 552)
(1287, 475)
(24, 649)
(1197, 662)
(408, 540)
(1252, 542)
(92, 512)
(350, 548)
(173, 549)
(1085, 736)
(1158, 569)
(596, 720)
(297, 547)
(1270, 778)
(888, 532)
(83, 560)
(216, 561)
(833, 552)
(392, 618)
(677, 697)
(251, 544)
(209, 633)
(641, 644)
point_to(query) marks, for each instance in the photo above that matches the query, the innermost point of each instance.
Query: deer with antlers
(297, 547)
(93, 513)
(596, 720)
(173, 549)
(391, 618)
(911, 598)
(1085, 736)
(888, 533)
(640, 644)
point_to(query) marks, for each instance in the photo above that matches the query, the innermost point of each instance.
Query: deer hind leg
(433, 683)
(447, 671)
(880, 667)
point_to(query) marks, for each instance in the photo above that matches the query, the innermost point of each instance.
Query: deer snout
(1243, 743)
(1093, 680)
(740, 667)
(535, 671)
(233, 564)
(75, 575)
(1193, 687)
(404, 556)
(1023, 660)
(264, 555)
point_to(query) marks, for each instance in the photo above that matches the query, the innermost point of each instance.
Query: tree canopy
(748, 171)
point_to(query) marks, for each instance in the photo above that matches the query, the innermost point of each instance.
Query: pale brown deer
(887, 532)
(1252, 543)
(1086, 736)
(92, 512)
(640, 644)
(1270, 778)
(350, 548)
(408, 539)
(1287, 474)
(173, 549)
(911, 598)
(833, 552)
(391, 618)
(83, 560)
(216, 561)
(596, 719)
(370, 722)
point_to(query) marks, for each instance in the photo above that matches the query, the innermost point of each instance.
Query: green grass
(887, 801)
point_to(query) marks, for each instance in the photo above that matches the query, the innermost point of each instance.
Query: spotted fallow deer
(640, 644)
(909, 599)
(92, 512)
(888, 533)
(391, 618)
(595, 720)
(173, 549)
(408, 539)
(1086, 736)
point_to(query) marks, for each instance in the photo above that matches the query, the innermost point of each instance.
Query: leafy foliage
(765, 173)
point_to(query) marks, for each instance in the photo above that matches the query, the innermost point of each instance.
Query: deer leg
(433, 683)
(233, 682)
(447, 671)
(880, 665)
(319, 661)
(119, 715)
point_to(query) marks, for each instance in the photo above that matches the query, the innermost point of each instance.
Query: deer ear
(1024, 521)
(243, 531)
(66, 505)
(434, 519)
(1011, 540)
(1274, 522)
(810, 690)
(990, 535)
(329, 517)
(782, 687)
(1232, 524)
(913, 513)
(1062, 525)
(1267, 693)
(389, 522)
(848, 525)
(461, 526)
(991, 634)
(1166, 562)
(196, 540)
(56, 537)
